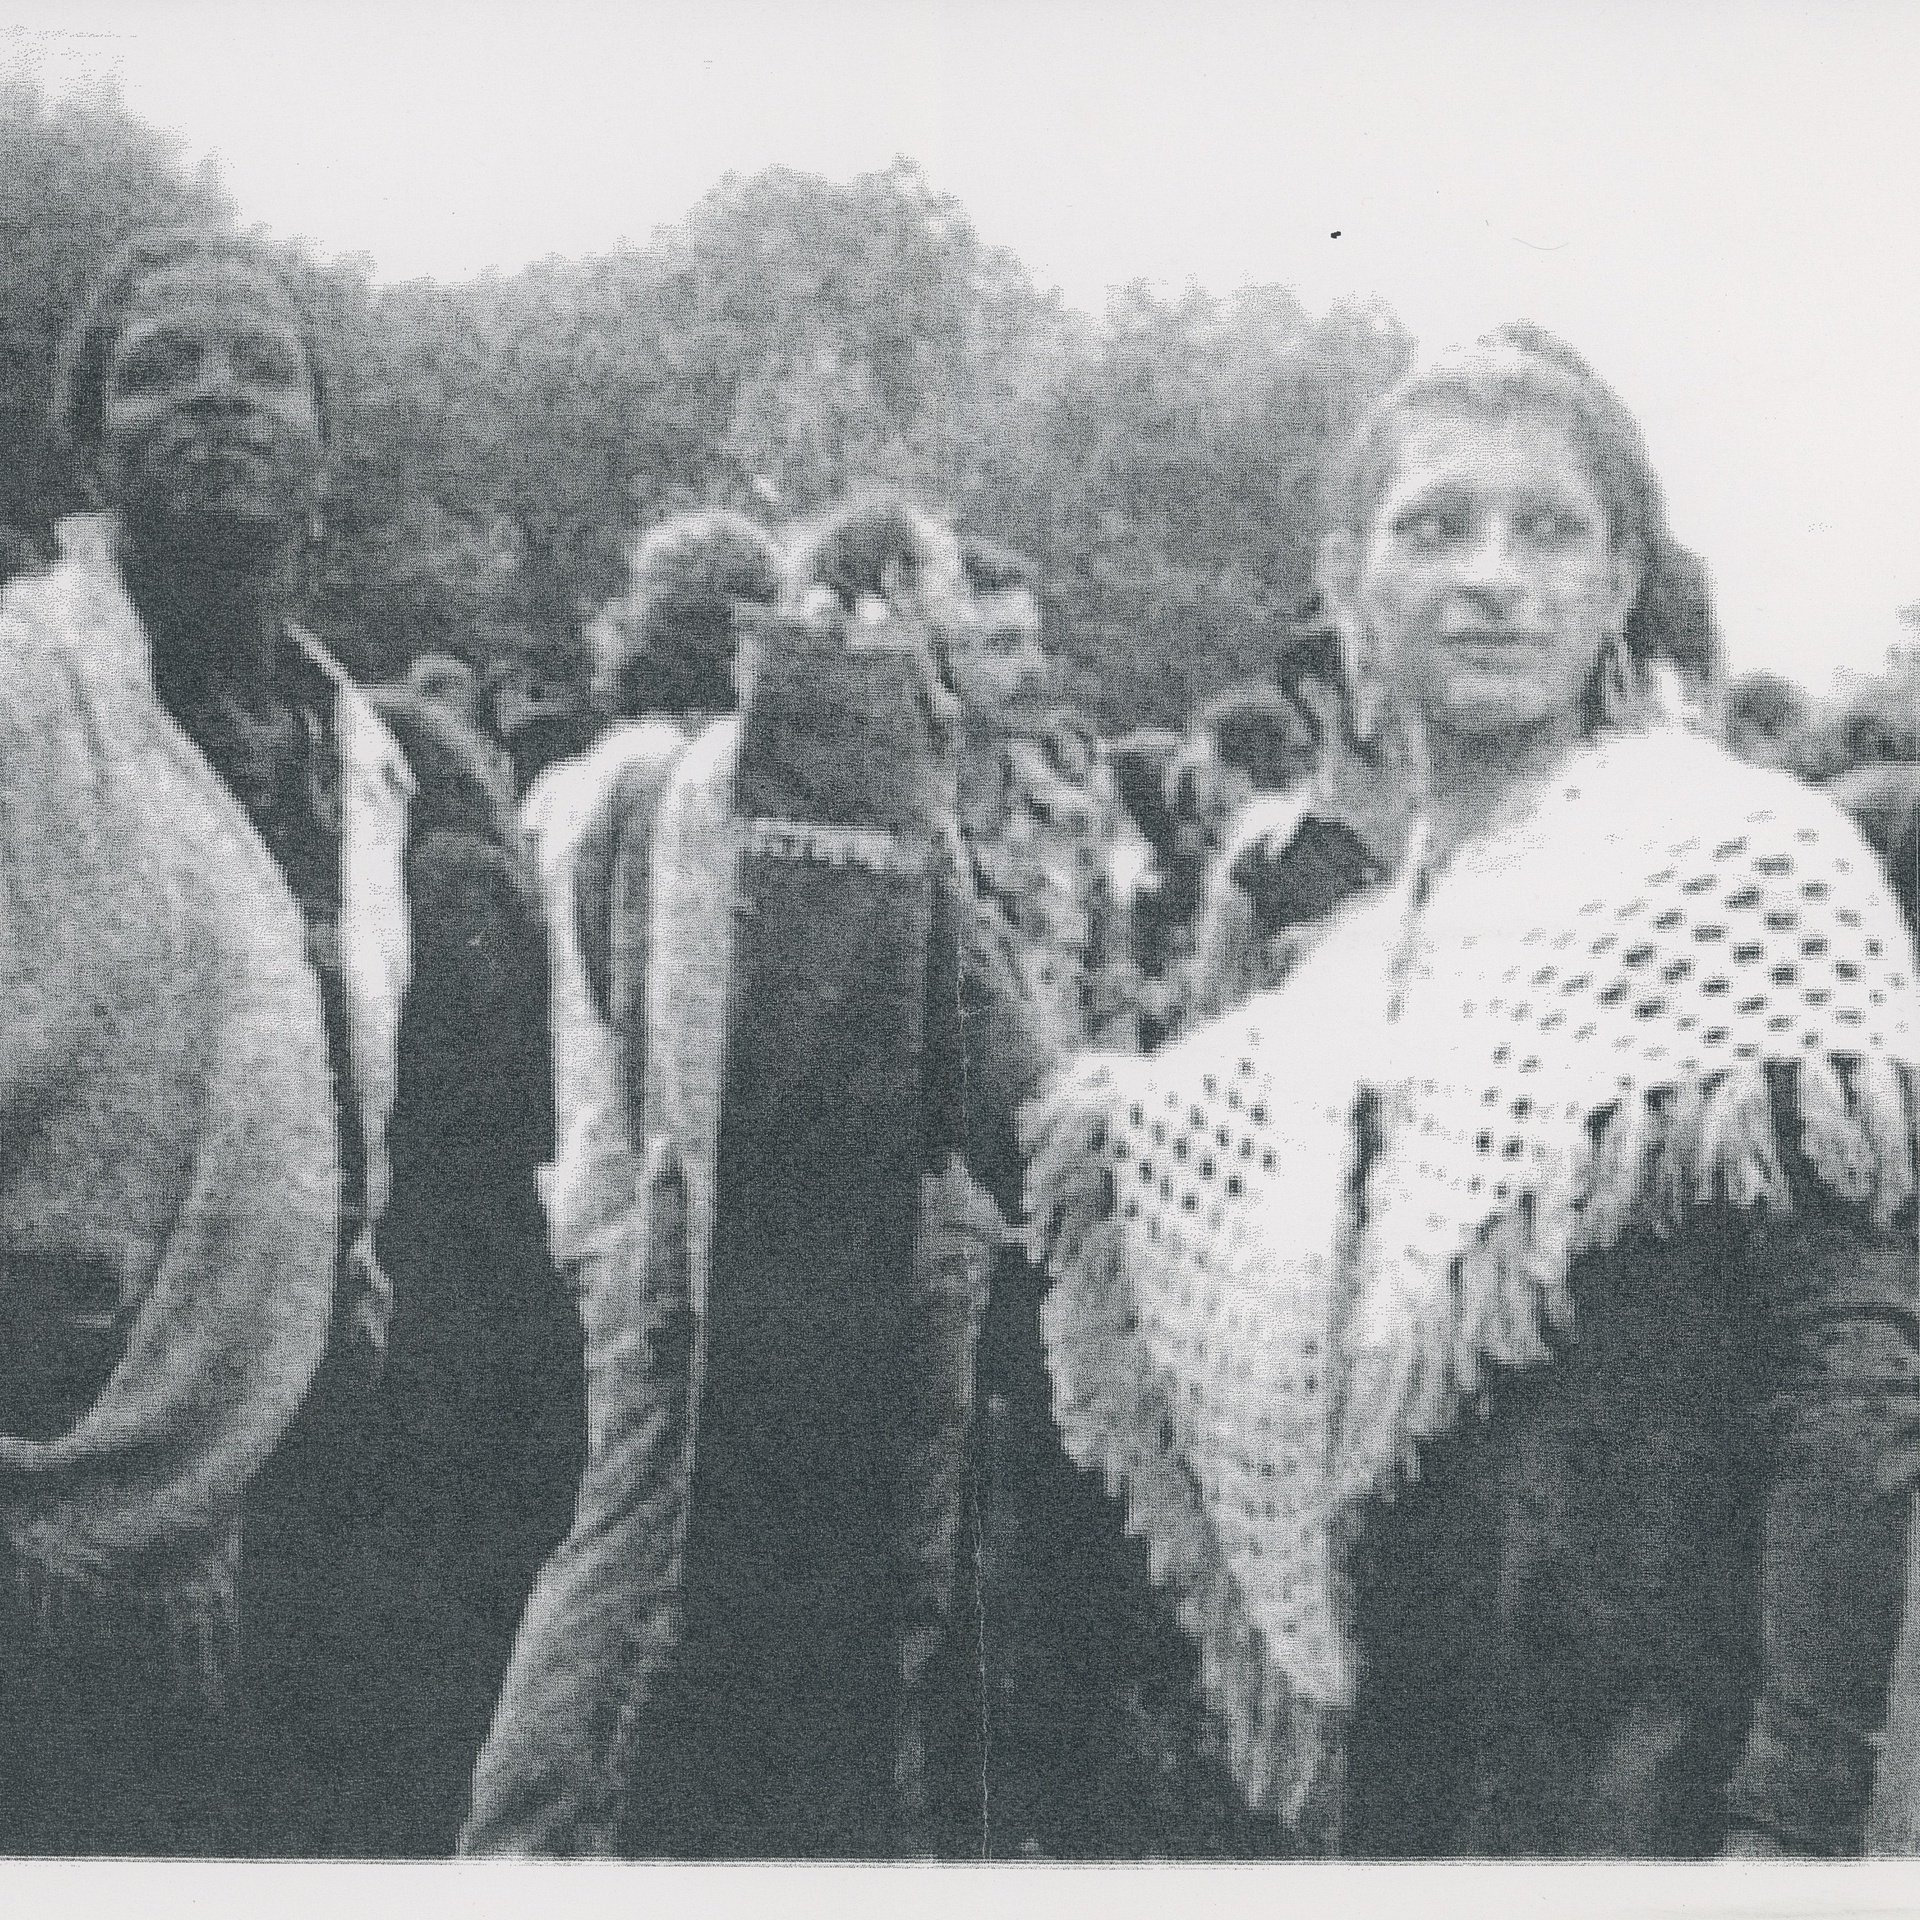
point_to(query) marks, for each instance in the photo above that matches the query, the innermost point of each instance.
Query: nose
(219, 380)
(1488, 565)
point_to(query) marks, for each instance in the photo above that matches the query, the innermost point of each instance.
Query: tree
(78, 176)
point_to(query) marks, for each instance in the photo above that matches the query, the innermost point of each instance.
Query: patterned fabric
(1563, 1035)
(1055, 856)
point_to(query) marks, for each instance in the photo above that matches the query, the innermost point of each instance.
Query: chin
(1493, 720)
(222, 538)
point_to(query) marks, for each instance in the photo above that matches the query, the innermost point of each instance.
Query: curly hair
(86, 349)
(667, 643)
(863, 549)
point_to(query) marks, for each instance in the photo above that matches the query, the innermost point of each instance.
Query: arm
(1843, 1420)
(613, 897)
(1007, 1055)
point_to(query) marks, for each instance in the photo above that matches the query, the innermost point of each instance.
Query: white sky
(1718, 201)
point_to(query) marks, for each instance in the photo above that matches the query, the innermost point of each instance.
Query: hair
(863, 548)
(1518, 370)
(668, 643)
(989, 567)
(86, 350)
(1672, 616)
(1257, 730)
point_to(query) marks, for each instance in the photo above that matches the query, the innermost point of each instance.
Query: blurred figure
(473, 1442)
(1245, 743)
(448, 682)
(792, 982)
(1764, 717)
(1039, 810)
(668, 639)
(1297, 852)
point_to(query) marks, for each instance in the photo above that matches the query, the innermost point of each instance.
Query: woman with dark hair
(245, 815)
(1504, 1335)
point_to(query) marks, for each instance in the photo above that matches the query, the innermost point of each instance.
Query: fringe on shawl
(1283, 1749)
(188, 1624)
(1651, 1161)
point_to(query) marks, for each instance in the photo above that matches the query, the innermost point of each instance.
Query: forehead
(206, 289)
(1514, 451)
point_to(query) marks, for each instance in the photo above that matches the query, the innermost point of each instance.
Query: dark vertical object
(795, 1581)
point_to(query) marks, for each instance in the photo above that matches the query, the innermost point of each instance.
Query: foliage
(79, 175)
(500, 441)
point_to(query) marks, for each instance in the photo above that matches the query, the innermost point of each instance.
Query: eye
(1428, 528)
(1552, 526)
(270, 361)
(157, 361)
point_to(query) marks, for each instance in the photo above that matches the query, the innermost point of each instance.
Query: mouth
(1493, 647)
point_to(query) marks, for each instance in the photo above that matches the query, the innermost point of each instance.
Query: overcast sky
(1718, 202)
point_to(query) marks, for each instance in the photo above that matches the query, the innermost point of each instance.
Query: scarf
(1568, 1032)
(168, 1173)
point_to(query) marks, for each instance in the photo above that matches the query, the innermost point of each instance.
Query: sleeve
(1842, 1435)
(613, 897)
(1007, 1055)
(50, 868)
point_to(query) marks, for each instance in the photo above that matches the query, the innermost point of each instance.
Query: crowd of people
(837, 1265)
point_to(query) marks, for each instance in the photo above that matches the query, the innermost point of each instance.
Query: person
(792, 997)
(237, 821)
(1245, 746)
(589, 820)
(1039, 808)
(1504, 1335)
(449, 682)
(466, 1450)
(1294, 854)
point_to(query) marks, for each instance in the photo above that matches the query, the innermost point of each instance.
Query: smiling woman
(1504, 1334)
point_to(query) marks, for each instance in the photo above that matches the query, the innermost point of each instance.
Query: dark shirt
(1653, 1589)
(283, 765)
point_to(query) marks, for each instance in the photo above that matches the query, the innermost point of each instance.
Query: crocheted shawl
(1566, 1032)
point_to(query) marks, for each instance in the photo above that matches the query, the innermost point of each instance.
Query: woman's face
(1487, 578)
(210, 430)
